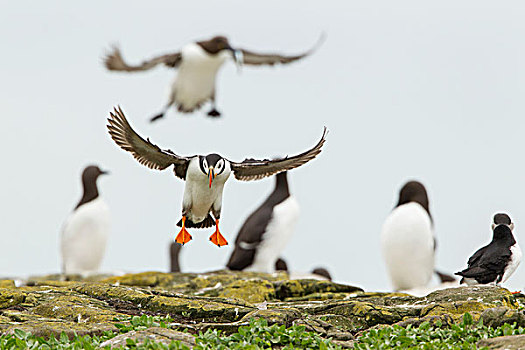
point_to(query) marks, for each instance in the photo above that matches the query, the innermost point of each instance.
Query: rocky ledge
(226, 300)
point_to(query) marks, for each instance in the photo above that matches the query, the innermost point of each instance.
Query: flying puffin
(205, 175)
(265, 233)
(407, 239)
(198, 64)
(85, 232)
(497, 261)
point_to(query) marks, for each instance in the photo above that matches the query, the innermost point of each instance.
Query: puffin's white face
(215, 168)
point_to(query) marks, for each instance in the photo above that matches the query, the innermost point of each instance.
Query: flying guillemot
(201, 199)
(497, 261)
(84, 234)
(407, 239)
(266, 232)
(198, 64)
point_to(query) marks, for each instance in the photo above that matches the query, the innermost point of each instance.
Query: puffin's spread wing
(253, 58)
(144, 151)
(252, 169)
(114, 61)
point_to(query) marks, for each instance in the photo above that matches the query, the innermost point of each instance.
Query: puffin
(407, 239)
(497, 261)
(204, 175)
(198, 64)
(266, 231)
(85, 232)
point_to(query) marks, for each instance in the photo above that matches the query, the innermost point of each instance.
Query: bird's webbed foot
(214, 113)
(217, 238)
(183, 237)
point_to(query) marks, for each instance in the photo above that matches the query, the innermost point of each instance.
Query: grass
(463, 336)
(259, 335)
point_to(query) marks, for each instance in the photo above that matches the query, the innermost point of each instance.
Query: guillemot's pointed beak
(211, 174)
(105, 172)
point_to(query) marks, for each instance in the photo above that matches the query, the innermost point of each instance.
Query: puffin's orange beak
(211, 174)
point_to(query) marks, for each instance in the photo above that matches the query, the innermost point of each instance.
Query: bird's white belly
(277, 235)
(513, 263)
(201, 198)
(407, 244)
(84, 237)
(195, 81)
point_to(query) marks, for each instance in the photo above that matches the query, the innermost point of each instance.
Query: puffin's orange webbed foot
(517, 292)
(183, 237)
(217, 238)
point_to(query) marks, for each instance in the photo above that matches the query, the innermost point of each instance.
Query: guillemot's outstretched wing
(254, 58)
(252, 169)
(114, 61)
(145, 152)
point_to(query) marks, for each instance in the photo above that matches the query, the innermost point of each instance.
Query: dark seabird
(198, 64)
(281, 265)
(497, 261)
(201, 199)
(174, 256)
(86, 230)
(265, 233)
(407, 239)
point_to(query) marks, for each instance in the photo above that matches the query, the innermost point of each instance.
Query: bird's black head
(89, 182)
(414, 191)
(216, 45)
(91, 174)
(503, 232)
(213, 165)
(502, 219)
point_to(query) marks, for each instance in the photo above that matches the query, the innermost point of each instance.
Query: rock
(226, 300)
(511, 342)
(155, 334)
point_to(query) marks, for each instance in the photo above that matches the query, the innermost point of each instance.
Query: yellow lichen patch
(10, 297)
(74, 312)
(7, 284)
(252, 291)
(144, 279)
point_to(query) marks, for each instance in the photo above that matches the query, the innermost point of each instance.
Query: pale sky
(408, 89)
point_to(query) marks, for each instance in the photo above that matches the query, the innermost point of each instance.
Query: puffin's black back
(488, 263)
(255, 225)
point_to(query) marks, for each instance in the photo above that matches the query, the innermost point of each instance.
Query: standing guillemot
(200, 197)
(407, 239)
(86, 230)
(198, 64)
(497, 261)
(265, 233)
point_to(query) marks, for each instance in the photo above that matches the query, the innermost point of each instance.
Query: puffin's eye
(205, 164)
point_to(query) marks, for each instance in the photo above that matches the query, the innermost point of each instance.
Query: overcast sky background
(408, 89)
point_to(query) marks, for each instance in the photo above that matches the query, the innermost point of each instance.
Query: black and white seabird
(497, 261)
(86, 230)
(407, 239)
(266, 232)
(200, 197)
(198, 64)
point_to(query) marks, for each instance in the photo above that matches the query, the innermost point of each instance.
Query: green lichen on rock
(227, 300)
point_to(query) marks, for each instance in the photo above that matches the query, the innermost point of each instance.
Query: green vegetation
(259, 335)
(462, 336)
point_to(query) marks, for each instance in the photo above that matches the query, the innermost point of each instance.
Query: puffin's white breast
(195, 81)
(515, 259)
(198, 196)
(84, 237)
(407, 243)
(277, 235)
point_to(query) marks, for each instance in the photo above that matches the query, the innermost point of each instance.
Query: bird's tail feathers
(206, 223)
